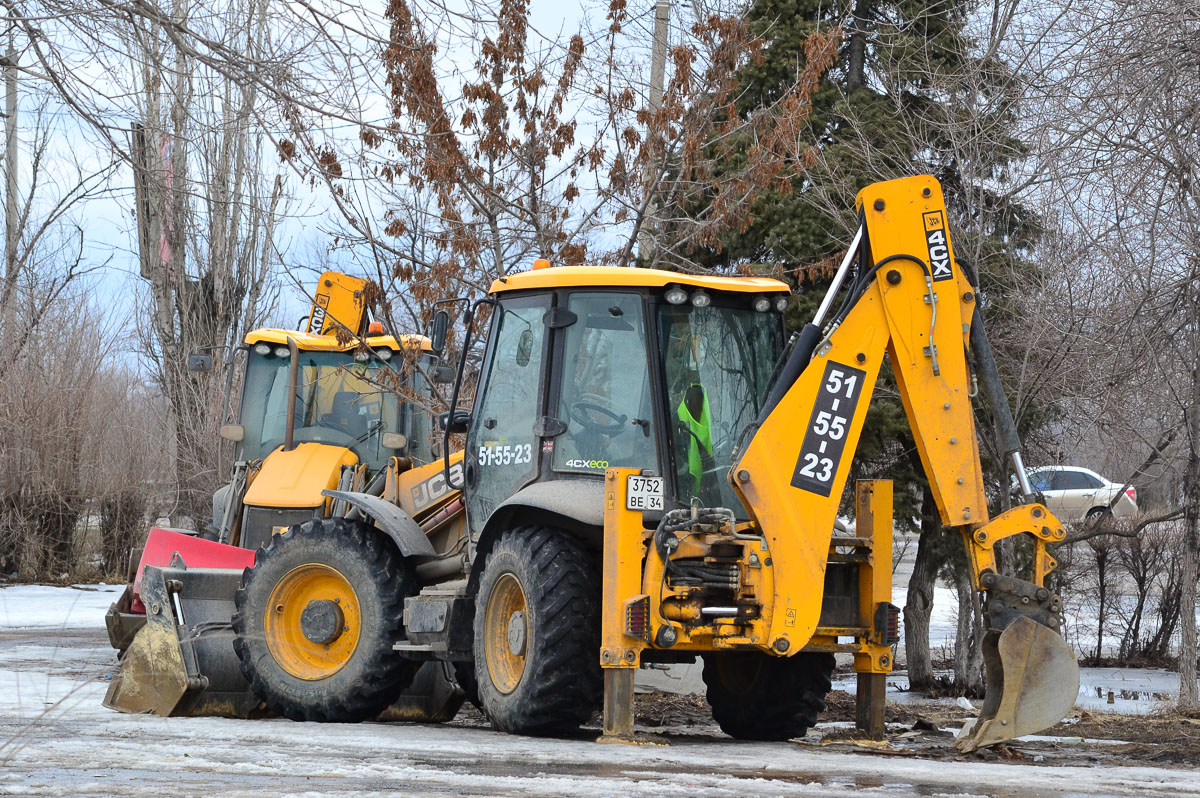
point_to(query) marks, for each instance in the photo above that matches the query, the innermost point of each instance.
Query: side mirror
(458, 421)
(393, 440)
(437, 331)
(199, 363)
(442, 375)
(232, 432)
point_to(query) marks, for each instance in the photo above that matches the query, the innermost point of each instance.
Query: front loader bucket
(1032, 683)
(182, 661)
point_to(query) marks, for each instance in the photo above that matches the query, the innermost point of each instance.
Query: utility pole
(658, 68)
(10, 162)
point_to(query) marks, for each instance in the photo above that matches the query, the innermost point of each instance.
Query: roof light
(762, 304)
(375, 328)
(262, 349)
(781, 303)
(383, 354)
(676, 295)
(541, 263)
(701, 300)
(282, 351)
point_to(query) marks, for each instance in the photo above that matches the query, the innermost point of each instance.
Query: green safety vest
(702, 434)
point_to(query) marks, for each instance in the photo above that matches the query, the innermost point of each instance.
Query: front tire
(537, 633)
(316, 619)
(756, 696)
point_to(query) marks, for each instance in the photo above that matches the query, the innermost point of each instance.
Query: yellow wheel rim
(328, 597)
(506, 633)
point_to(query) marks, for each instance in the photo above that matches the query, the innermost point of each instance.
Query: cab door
(502, 451)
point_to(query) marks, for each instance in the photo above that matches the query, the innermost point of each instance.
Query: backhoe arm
(911, 303)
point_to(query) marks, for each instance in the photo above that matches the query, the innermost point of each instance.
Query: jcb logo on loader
(939, 246)
(427, 492)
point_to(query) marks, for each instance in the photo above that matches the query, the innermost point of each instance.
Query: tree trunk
(1188, 698)
(918, 605)
(857, 55)
(1100, 551)
(968, 651)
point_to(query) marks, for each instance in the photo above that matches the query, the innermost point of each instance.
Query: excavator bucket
(1032, 683)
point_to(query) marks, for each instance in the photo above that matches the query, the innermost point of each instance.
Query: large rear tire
(537, 633)
(316, 619)
(756, 696)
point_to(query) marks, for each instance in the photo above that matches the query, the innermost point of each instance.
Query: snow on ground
(83, 606)
(56, 739)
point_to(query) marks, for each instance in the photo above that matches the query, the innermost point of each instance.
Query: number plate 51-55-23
(825, 438)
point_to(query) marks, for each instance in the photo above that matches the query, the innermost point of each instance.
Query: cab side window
(501, 441)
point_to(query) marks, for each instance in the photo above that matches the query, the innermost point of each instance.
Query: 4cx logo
(316, 324)
(939, 245)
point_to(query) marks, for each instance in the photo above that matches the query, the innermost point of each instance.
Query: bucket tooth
(1032, 683)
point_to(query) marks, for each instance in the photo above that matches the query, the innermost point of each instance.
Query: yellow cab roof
(629, 277)
(328, 343)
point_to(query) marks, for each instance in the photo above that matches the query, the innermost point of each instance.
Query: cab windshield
(339, 401)
(717, 362)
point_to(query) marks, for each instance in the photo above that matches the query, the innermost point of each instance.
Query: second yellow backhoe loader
(333, 446)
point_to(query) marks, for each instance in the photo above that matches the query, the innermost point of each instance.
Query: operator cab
(348, 418)
(345, 396)
(592, 367)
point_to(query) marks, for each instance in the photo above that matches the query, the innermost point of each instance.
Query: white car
(1073, 493)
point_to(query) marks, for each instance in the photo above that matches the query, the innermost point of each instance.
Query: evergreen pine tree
(911, 93)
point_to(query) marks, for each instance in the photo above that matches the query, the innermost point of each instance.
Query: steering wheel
(323, 434)
(579, 411)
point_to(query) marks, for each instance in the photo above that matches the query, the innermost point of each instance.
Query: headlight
(701, 300)
(282, 351)
(383, 354)
(262, 349)
(762, 304)
(781, 303)
(676, 295)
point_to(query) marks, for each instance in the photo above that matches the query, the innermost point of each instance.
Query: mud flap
(1032, 683)
(433, 697)
(182, 661)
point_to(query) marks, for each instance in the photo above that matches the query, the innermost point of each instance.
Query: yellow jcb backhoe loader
(653, 475)
(326, 452)
(645, 485)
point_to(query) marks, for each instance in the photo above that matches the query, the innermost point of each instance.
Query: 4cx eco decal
(587, 463)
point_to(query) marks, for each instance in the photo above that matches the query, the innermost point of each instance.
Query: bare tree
(541, 145)
(47, 253)
(207, 220)
(1122, 146)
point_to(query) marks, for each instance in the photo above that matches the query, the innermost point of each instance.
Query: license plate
(644, 493)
